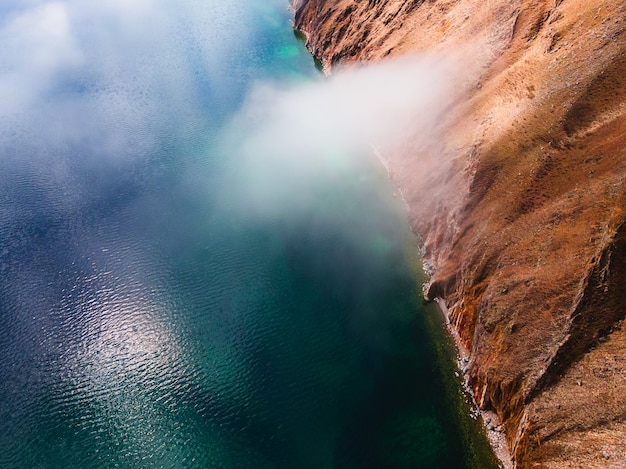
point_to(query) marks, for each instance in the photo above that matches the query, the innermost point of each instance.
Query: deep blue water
(158, 311)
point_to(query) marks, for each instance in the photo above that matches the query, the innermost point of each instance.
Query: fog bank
(301, 136)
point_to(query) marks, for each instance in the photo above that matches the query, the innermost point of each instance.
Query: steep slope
(522, 219)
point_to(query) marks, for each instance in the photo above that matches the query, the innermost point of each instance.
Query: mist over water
(201, 261)
(299, 135)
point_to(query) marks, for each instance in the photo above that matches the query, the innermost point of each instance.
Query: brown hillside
(525, 233)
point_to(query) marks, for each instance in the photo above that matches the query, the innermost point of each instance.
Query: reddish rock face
(522, 219)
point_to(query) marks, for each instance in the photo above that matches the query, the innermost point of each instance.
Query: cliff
(525, 234)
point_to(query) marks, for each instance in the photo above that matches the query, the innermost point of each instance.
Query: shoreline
(489, 419)
(534, 262)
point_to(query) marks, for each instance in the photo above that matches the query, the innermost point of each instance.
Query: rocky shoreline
(525, 235)
(491, 421)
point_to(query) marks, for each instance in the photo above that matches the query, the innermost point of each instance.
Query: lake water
(168, 299)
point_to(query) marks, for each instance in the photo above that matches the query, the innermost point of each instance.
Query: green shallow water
(155, 311)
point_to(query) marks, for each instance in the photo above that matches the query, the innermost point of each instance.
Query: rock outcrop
(524, 232)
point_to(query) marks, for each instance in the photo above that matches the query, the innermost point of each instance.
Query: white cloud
(129, 60)
(107, 81)
(37, 45)
(337, 119)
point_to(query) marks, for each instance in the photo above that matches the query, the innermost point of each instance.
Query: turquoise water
(160, 306)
